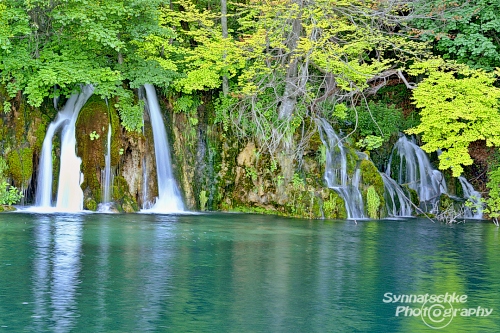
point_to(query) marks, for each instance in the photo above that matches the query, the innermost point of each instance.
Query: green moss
(90, 204)
(20, 123)
(352, 159)
(445, 202)
(412, 194)
(7, 208)
(40, 132)
(121, 196)
(21, 166)
(372, 203)
(333, 206)
(203, 200)
(3, 130)
(91, 133)
(370, 177)
(254, 210)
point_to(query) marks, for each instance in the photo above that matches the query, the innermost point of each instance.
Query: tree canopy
(283, 63)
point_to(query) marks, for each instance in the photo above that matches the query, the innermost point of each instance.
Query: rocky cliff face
(214, 169)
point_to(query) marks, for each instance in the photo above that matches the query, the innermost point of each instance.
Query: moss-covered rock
(371, 180)
(412, 194)
(91, 133)
(333, 205)
(7, 208)
(90, 204)
(20, 162)
(373, 201)
(121, 196)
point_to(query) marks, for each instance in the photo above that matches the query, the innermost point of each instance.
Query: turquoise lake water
(245, 273)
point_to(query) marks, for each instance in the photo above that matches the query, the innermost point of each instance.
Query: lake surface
(244, 273)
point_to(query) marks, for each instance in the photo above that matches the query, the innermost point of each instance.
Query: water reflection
(41, 272)
(103, 275)
(57, 248)
(225, 273)
(155, 291)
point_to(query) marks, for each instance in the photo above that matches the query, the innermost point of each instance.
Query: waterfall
(416, 171)
(397, 202)
(107, 170)
(169, 199)
(336, 175)
(476, 211)
(145, 202)
(69, 193)
(107, 176)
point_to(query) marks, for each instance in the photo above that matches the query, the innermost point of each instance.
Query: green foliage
(189, 41)
(9, 195)
(6, 107)
(130, 112)
(91, 204)
(376, 119)
(21, 166)
(66, 44)
(297, 182)
(340, 111)
(458, 106)
(187, 104)
(222, 106)
(493, 200)
(333, 206)
(372, 202)
(203, 200)
(94, 136)
(3, 167)
(466, 31)
(370, 142)
(251, 173)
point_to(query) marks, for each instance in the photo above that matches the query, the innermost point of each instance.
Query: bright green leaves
(377, 119)
(493, 201)
(130, 113)
(193, 45)
(458, 106)
(13, 24)
(67, 43)
(67, 69)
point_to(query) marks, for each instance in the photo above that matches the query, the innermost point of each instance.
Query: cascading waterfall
(107, 170)
(416, 171)
(107, 176)
(476, 211)
(145, 202)
(69, 193)
(336, 175)
(169, 199)
(397, 202)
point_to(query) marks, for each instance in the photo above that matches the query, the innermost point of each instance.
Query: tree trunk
(223, 4)
(292, 80)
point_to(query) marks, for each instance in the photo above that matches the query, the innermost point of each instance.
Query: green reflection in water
(236, 273)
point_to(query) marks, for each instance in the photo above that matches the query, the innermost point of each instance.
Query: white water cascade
(416, 171)
(69, 193)
(169, 199)
(107, 176)
(336, 175)
(476, 211)
(397, 202)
